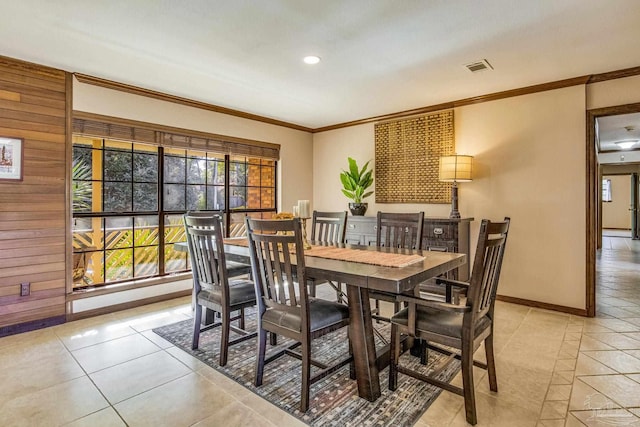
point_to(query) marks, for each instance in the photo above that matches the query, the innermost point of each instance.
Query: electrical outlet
(25, 289)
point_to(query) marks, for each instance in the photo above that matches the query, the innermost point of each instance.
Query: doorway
(594, 191)
(619, 201)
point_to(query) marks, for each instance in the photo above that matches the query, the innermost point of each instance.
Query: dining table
(363, 273)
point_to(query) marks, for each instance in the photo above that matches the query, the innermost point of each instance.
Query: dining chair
(398, 230)
(458, 327)
(212, 287)
(234, 268)
(284, 305)
(328, 228)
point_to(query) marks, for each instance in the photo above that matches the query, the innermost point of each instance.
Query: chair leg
(224, 338)
(338, 292)
(262, 346)
(424, 356)
(197, 315)
(306, 373)
(491, 363)
(241, 323)
(467, 381)
(378, 310)
(312, 288)
(394, 355)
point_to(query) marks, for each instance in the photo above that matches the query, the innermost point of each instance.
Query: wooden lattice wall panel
(407, 156)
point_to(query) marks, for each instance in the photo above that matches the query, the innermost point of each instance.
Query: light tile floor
(554, 369)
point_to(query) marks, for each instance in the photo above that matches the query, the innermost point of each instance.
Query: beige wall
(615, 214)
(295, 167)
(529, 151)
(529, 164)
(330, 152)
(613, 92)
(529, 154)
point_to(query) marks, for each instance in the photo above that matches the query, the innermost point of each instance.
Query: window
(606, 190)
(193, 180)
(129, 198)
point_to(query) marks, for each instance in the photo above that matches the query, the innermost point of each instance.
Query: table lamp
(455, 168)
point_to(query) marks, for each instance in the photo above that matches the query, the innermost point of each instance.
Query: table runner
(385, 259)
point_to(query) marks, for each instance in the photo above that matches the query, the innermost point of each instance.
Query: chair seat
(235, 269)
(240, 292)
(439, 322)
(322, 314)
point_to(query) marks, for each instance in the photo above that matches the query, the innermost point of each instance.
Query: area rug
(334, 401)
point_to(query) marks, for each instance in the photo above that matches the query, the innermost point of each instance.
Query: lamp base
(454, 201)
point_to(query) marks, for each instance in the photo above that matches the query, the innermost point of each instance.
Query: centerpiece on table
(283, 215)
(355, 182)
(289, 215)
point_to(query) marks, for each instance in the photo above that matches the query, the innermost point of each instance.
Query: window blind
(114, 128)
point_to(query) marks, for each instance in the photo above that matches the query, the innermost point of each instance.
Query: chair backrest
(280, 279)
(233, 230)
(209, 214)
(400, 230)
(329, 227)
(486, 267)
(205, 214)
(206, 249)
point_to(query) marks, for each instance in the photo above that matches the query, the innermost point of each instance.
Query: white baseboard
(130, 295)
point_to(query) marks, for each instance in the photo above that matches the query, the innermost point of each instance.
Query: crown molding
(135, 90)
(462, 102)
(575, 81)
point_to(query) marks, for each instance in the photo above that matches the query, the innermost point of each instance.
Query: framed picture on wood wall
(11, 150)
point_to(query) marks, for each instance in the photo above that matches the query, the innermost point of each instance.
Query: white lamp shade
(456, 168)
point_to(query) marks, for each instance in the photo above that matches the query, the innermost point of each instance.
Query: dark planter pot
(358, 209)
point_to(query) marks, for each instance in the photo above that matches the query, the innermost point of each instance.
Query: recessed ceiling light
(311, 59)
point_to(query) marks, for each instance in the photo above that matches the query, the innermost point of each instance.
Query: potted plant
(355, 181)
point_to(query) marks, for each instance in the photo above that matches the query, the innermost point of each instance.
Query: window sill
(120, 287)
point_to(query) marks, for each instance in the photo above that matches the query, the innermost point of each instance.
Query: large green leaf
(366, 180)
(347, 182)
(364, 168)
(353, 169)
(349, 194)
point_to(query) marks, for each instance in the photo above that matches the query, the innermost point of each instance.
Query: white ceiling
(378, 56)
(623, 127)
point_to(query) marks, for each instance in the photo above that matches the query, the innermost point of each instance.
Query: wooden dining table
(360, 278)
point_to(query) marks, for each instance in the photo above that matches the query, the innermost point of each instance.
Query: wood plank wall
(33, 106)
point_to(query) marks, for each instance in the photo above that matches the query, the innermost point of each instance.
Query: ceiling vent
(478, 66)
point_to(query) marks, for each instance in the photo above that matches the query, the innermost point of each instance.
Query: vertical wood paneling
(33, 214)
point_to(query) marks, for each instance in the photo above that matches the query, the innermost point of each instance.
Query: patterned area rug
(334, 401)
